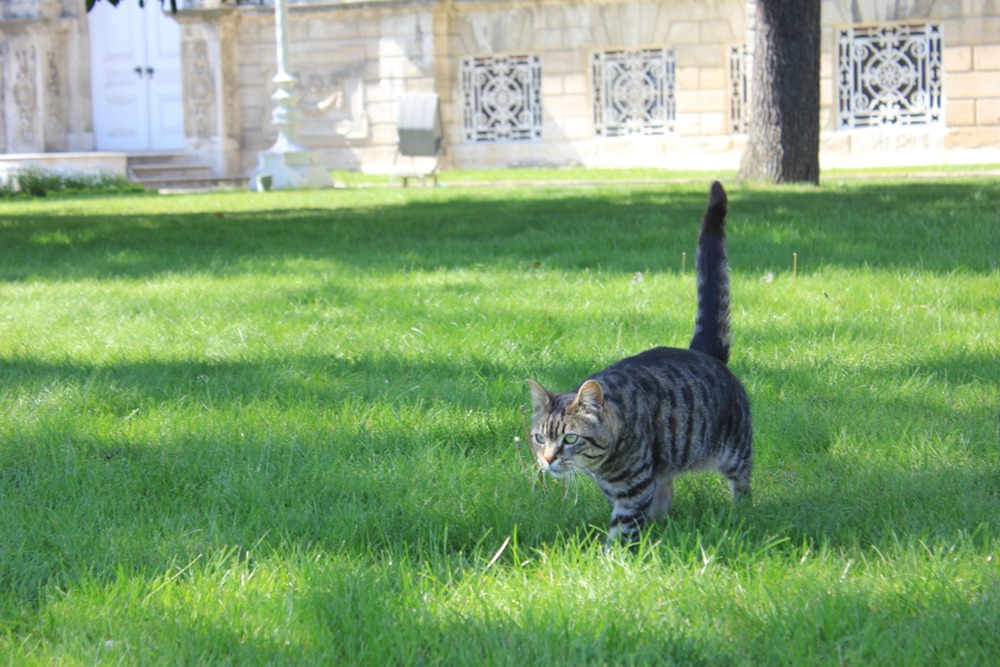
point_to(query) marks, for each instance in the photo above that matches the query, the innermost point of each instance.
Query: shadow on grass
(313, 464)
(937, 226)
(95, 508)
(200, 487)
(323, 382)
(376, 616)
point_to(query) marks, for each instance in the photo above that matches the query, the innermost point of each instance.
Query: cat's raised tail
(711, 324)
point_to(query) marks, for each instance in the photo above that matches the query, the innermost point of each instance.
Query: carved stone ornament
(334, 97)
(55, 116)
(200, 102)
(889, 75)
(633, 92)
(25, 94)
(3, 99)
(502, 98)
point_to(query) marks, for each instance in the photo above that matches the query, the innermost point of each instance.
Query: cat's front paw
(623, 534)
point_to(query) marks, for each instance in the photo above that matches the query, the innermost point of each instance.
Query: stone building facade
(521, 82)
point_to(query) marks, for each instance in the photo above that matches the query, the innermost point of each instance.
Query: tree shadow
(939, 226)
(807, 490)
(182, 481)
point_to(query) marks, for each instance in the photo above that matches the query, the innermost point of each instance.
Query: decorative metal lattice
(633, 92)
(502, 98)
(739, 87)
(889, 75)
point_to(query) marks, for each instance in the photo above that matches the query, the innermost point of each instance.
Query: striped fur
(639, 423)
(711, 324)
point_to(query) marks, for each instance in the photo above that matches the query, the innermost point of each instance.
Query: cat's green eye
(571, 438)
(539, 438)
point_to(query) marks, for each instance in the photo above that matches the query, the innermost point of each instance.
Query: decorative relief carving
(54, 117)
(200, 103)
(335, 97)
(3, 98)
(230, 74)
(502, 98)
(25, 94)
(51, 74)
(889, 75)
(633, 92)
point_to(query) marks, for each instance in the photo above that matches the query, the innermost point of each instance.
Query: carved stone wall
(36, 85)
(26, 134)
(623, 83)
(35, 105)
(959, 60)
(210, 74)
(354, 58)
(3, 99)
(351, 64)
(200, 94)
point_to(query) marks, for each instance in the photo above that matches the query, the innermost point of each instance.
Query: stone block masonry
(659, 83)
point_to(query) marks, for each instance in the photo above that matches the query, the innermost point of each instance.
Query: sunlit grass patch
(285, 428)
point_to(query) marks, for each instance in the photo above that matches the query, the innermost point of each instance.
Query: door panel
(118, 91)
(135, 78)
(163, 63)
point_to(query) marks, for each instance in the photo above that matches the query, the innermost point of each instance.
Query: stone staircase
(177, 172)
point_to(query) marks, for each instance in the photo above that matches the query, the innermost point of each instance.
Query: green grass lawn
(284, 428)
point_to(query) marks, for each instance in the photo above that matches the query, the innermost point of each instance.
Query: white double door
(135, 74)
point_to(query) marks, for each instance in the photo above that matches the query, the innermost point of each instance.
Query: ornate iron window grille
(739, 87)
(634, 92)
(502, 98)
(889, 75)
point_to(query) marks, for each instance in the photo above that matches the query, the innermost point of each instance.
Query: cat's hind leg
(739, 483)
(736, 465)
(663, 497)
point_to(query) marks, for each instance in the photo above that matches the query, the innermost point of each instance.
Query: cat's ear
(541, 398)
(590, 397)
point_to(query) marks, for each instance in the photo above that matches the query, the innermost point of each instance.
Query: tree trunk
(783, 133)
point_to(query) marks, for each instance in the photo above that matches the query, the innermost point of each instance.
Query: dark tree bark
(783, 132)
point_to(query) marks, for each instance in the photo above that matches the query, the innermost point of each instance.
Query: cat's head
(569, 432)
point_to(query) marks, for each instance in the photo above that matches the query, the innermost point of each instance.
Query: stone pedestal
(288, 169)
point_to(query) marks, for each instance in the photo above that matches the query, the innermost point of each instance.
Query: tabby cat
(637, 424)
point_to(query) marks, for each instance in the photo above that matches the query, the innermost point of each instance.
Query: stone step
(181, 184)
(176, 172)
(157, 157)
(147, 168)
(156, 170)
